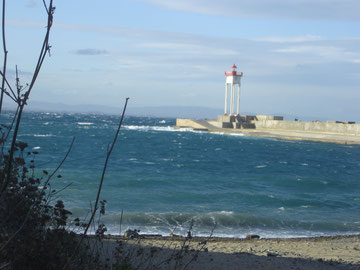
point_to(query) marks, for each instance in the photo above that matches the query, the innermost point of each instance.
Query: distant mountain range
(149, 111)
(159, 111)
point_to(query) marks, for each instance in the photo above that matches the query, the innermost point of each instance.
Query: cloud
(90, 52)
(330, 53)
(346, 10)
(31, 4)
(298, 39)
(188, 48)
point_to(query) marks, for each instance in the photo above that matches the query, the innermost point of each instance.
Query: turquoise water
(163, 178)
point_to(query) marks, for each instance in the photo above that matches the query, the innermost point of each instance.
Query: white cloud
(298, 39)
(329, 53)
(188, 48)
(347, 10)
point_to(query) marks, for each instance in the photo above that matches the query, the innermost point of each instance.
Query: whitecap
(236, 134)
(261, 166)
(85, 123)
(271, 196)
(149, 128)
(149, 163)
(281, 208)
(228, 213)
(46, 123)
(43, 135)
(305, 206)
(283, 162)
(304, 164)
(36, 147)
(218, 149)
(162, 122)
(132, 159)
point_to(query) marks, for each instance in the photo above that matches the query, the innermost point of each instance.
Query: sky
(299, 57)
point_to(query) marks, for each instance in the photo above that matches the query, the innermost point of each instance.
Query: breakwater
(331, 131)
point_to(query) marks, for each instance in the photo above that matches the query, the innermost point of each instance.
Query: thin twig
(105, 167)
(14, 97)
(121, 217)
(46, 8)
(22, 102)
(61, 163)
(8, 132)
(5, 56)
(100, 187)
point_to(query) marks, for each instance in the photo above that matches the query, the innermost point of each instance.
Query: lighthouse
(232, 81)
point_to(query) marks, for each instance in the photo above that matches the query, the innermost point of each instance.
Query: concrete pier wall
(189, 123)
(343, 128)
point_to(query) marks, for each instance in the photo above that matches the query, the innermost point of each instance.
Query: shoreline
(324, 252)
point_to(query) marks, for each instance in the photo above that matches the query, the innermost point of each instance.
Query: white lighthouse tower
(232, 80)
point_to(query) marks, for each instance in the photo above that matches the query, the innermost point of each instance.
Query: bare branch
(8, 132)
(5, 56)
(61, 163)
(7, 83)
(45, 48)
(100, 185)
(105, 166)
(46, 8)
(22, 102)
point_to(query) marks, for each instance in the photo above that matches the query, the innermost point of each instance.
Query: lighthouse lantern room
(232, 81)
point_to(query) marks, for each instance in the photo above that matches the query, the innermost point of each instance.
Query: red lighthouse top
(233, 72)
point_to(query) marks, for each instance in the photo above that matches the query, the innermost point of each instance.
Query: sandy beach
(336, 252)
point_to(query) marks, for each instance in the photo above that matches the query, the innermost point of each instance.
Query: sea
(162, 180)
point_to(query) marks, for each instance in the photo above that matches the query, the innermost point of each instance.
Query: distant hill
(150, 111)
(159, 111)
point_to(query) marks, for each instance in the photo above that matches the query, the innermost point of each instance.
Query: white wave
(132, 159)
(190, 130)
(84, 123)
(149, 128)
(46, 123)
(162, 122)
(43, 135)
(304, 164)
(228, 134)
(149, 163)
(281, 208)
(236, 134)
(261, 166)
(305, 206)
(228, 213)
(218, 149)
(36, 147)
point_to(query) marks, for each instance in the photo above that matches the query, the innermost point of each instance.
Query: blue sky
(299, 57)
